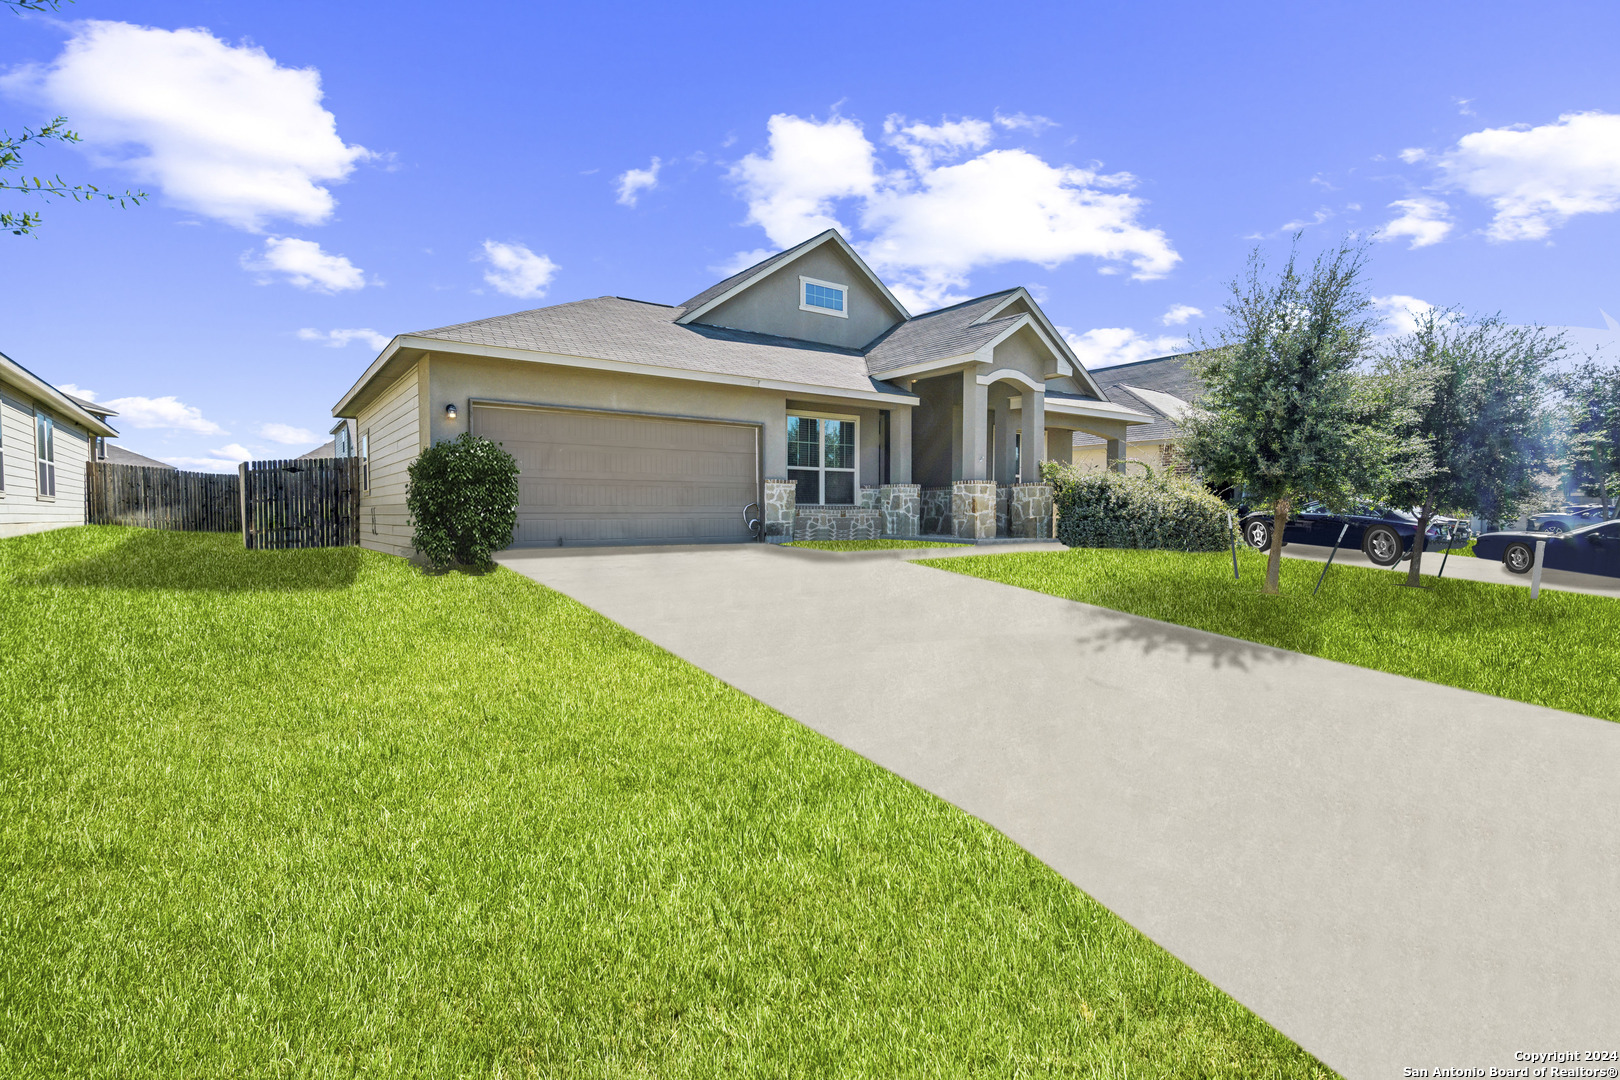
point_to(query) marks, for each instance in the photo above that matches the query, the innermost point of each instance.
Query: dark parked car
(1570, 517)
(1383, 534)
(1590, 549)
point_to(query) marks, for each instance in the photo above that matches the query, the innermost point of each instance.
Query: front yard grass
(870, 545)
(315, 813)
(1556, 651)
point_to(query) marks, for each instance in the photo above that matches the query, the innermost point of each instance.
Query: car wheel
(1518, 558)
(1382, 545)
(1554, 528)
(1257, 534)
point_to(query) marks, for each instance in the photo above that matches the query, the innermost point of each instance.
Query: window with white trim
(365, 461)
(823, 297)
(821, 459)
(45, 451)
(2, 448)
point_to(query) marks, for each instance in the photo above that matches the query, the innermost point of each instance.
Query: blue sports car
(1383, 534)
(1590, 549)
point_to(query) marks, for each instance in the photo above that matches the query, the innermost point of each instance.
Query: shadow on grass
(207, 562)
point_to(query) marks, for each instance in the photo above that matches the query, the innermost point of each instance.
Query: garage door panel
(616, 478)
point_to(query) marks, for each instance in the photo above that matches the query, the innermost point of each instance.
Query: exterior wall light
(449, 412)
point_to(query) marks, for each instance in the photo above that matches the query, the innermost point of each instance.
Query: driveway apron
(1395, 874)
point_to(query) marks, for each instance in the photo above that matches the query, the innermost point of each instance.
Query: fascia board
(1066, 356)
(40, 390)
(497, 352)
(831, 235)
(1099, 411)
(924, 367)
(342, 407)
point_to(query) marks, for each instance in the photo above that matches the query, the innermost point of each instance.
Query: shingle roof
(936, 335)
(119, 456)
(719, 288)
(1167, 374)
(636, 332)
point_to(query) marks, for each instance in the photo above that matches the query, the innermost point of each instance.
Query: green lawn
(1557, 651)
(317, 814)
(869, 545)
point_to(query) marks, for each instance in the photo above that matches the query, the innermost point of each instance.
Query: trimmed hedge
(1106, 509)
(462, 498)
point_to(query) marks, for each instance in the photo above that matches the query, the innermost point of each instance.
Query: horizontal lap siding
(394, 427)
(21, 511)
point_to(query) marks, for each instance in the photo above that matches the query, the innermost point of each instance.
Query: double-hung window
(823, 297)
(821, 460)
(45, 449)
(365, 461)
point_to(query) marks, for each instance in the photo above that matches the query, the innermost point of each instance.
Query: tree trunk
(1413, 573)
(1279, 521)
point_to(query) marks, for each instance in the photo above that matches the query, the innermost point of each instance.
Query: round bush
(1105, 509)
(463, 496)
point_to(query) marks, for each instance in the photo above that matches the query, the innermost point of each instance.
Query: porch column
(1006, 429)
(975, 426)
(1116, 455)
(1032, 446)
(900, 445)
(1060, 445)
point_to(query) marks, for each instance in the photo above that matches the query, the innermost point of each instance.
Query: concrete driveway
(1395, 874)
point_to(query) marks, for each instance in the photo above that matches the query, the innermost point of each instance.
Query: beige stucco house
(798, 396)
(46, 438)
(1162, 389)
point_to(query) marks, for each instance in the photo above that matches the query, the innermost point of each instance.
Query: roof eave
(768, 268)
(43, 390)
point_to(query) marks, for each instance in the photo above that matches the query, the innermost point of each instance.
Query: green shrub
(1105, 509)
(463, 498)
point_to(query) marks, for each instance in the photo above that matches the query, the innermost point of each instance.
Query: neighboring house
(114, 454)
(340, 445)
(46, 438)
(799, 391)
(1163, 389)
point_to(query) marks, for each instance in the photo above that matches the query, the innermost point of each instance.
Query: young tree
(1282, 414)
(22, 222)
(1477, 392)
(1590, 412)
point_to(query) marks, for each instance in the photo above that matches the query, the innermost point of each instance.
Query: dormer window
(823, 297)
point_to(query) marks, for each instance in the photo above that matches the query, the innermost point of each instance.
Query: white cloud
(517, 271)
(305, 265)
(1179, 314)
(633, 182)
(287, 435)
(1422, 218)
(1537, 178)
(164, 412)
(934, 220)
(1400, 312)
(337, 339)
(77, 391)
(1107, 346)
(221, 130)
(224, 459)
(741, 261)
(1413, 154)
(1033, 124)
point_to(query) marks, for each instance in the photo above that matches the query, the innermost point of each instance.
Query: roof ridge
(719, 286)
(963, 303)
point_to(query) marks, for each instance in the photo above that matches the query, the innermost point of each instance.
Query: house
(117, 455)
(340, 445)
(798, 394)
(1162, 388)
(46, 438)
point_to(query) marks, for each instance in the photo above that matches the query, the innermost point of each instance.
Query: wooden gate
(305, 503)
(154, 497)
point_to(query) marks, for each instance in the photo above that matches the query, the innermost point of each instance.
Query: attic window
(823, 297)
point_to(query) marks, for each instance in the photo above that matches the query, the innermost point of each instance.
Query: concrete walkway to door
(1394, 874)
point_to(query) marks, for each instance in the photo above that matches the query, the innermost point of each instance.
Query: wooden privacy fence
(307, 503)
(154, 497)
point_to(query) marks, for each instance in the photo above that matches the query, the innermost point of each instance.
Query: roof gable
(1019, 300)
(705, 305)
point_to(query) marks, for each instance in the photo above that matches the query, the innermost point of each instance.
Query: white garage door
(595, 478)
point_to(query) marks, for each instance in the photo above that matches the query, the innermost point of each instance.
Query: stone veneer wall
(1031, 512)
(936, 511)
(837, 523)
(780, 499)
(1003, 509)
(901, 507)
(869, 499)
(973, 509)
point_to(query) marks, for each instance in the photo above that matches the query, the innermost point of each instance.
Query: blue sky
(371, 170)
